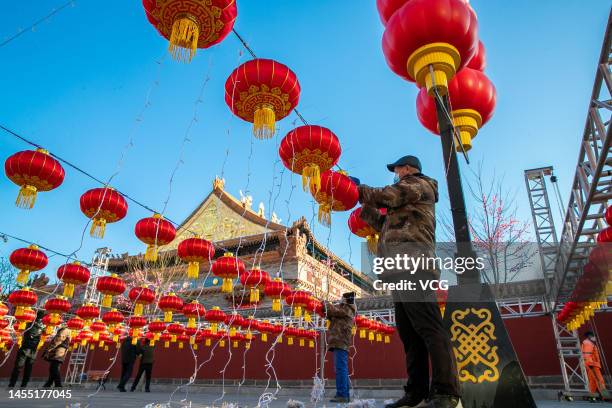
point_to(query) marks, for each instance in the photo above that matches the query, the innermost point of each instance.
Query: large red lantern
(428, 41)
(276, 290)
(386, 8)
(156, 327)
(193, 311)
(113, 318)
(103, 206)
(609, 215)
(72, 274)
(262, 91)
(136, 324)
(56, 307)
(30, 259)
(97, 327)
(254, 279)
(175, 329)
(22, 298)
(298, 300)
(362, 229)
(235, 322)
(23, 316)
(33, 171)
(88, 312)
(141, 297)
(310, 150)
(75, 324)
(228, 267)
(168, 304)
(110, 286)
(191, 24)
(472, 96)
(338, 193)
(605, 235)
(195, 250)
(154, 231)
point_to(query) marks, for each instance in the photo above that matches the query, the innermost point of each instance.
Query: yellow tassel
(107, 300)
(173, 338)
(372, 241)
(180, 345)
(26, 197)
(193, 270)
(311, 343)
(116, 338)
(68, 290)
(83, 342)
(297, 311)
(105, 348)
(387, 339)
(195, 346)
(221, 343)
(134, 340)
(227, 285)
(98, 227)
(371, 336)
(184, 38)
(302, 343)
(22, 276)
(307, 317)
(235, 344)
(279, 339)
(247, 345)
(91, 346)
(192, 340)
(264, 122)
(362, 334)
(49, 329)
(378, 337)
(276, 305)
(264, 337)
(290, 341)
(207, 343)
(311, 177)
(191, 322)
(168, 316)
(151, 253)
(232, 331)
(353, 329)
(325, 214)
(166, 344)
(213, 328)
(254, 295)
(138, 309)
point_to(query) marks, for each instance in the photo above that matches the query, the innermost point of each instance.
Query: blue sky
(78, 83)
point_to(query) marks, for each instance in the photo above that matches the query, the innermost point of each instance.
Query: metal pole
(322, 345)
(455, 190)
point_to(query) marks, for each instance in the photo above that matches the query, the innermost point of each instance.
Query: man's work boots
(444, 401)
(340, 400)
(410, 399)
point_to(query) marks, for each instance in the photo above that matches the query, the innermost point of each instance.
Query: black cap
(411, 161)
(349, 297)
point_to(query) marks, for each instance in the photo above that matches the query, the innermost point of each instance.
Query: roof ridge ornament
(218, 183)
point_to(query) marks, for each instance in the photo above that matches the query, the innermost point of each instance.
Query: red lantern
(84, 336)
(56, 307)
(195, 251)
(262, 91)
(228, 267)
(215, 316)
(192, 311)
(310, 150)
(33, 171)
(441, 34)
(154, 231)
(473, 100)
(156, 327)
(97, 327)
(75, 324)
(298, 300)
(110, 286)
(360, 228)
(50, 323)
(236, 339)
(235, 322)
(113, 318)
(165, 338)
(254, 279)
(479, 61)
(276, 290)
(175, 329)
(22, 298)
(265, 328)
(141, 296)
(103, 206)
(168, 304)
(72, 274)
(386, 8)
(88, 312)
(30, 259)
(191, 24)
(136, 323)
(363, 324)
(609, 215)
(605, 235)
(23, 316)
(338, 193)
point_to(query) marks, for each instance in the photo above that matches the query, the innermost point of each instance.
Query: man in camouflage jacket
(339, 338)
(408, 227)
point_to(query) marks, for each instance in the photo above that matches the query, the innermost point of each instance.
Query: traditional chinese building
(290, 252)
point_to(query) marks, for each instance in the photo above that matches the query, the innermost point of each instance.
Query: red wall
(532, 339)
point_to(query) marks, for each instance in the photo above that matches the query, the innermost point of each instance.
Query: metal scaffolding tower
(78, 357)
(592, 184)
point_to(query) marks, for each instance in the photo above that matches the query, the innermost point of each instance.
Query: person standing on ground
(146, 365)
(408, 229)
(27, 352)
(129, 352)
(592, 363)
(55, 353)
(339, 338)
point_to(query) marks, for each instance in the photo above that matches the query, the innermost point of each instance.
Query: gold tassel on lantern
(193, 270)
(107, 300)
(227, 286)
(372, 242)
(264, 337)
(68, 290)
(311, 343)
(166, 344)
(302, 343)
(138, 309)
(22, 276)
(191, 322)
(208, 342)
(387, 339)
(184, 38)
(247, 345)
(290, 341)
(168, 316)
(276, 305)
(297, 311)
(264, 122)
(180, 344)
(324, 214)
(311, 177)
(151, 253)
(307, 317)
(98, 227)
(26, 197)
(221, 343)
(254, 295)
